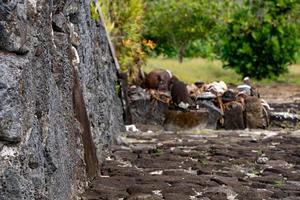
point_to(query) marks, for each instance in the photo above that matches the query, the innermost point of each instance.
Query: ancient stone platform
(201, 165)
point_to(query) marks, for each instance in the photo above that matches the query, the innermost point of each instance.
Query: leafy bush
(202, 48)
(174, 25)
(197, 48)
(124, 21)
(260, 38)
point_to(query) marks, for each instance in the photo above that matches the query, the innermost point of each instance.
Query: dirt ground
(280, 93)
(205, 164)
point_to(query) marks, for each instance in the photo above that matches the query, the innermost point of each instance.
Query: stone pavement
(201, 165)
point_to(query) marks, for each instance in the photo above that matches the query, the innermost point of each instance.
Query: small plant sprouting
(95, 15)
(279, 183)
(156, 152)
(117, 87)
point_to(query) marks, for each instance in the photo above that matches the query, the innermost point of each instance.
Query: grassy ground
(199, 69)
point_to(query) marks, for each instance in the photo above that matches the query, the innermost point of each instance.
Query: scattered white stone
(187, 150)
(8, 152)
(262, 160)
(265, 134)
(139, 142)
(160, 144)
(159, 172)
(124, 163)
(194, 159)
(231, 196)
(183, 105)
(179, 140)
(279, 163)
(158, 193)
(138, 168)
(275, 143)
(197, 193)
(269, 134)
(104, 176)
(217, 87)
(190, 171)
(285, 115)
(251, 175)
(131, 128)
(265, 104)
(244, 135)
(108, 158)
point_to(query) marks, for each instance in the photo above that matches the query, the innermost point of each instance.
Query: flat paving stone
(208, 165)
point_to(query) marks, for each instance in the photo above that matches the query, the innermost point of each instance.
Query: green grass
(199, 69)
(292, 77)
(279, 183)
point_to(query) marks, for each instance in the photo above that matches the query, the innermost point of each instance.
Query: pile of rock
(165, 100)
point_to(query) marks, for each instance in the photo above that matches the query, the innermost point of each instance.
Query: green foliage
(95, 15)
(174, 25)
(199, 47)
(260, 38)
(279, 184)
(156, 152)
(202, 48)
(117, 88)
(124, 21)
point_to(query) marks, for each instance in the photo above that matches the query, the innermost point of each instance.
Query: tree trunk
(181, 52)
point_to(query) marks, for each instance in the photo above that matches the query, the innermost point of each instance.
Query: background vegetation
(257, 38)
(178, 25)
(207, 70)
(124, 22)
(260, 38)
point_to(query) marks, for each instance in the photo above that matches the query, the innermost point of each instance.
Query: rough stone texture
(254, 113)
(207, 165)
(233, 116)
(179, 120)
(144, 109)
(42, 43)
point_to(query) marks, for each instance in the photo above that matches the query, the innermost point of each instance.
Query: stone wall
(58, 105)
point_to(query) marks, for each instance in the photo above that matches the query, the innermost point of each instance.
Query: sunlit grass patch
(292, 77)
(199, 69)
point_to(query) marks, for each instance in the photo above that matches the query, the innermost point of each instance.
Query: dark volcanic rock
(210, 165)
(254, 113)
(233, 116)
(194, 119)
(42, 154)
(144, 108)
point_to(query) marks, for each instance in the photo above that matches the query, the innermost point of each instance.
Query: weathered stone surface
(209, 165)
(233, 116)
(11, 102)
(179, 120)
(254, 113)
(42, 154)
(144, 108)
